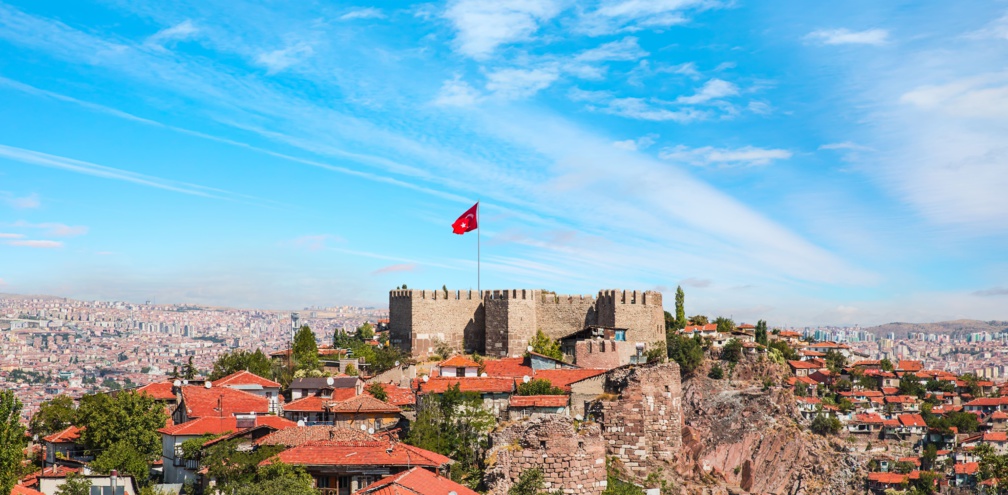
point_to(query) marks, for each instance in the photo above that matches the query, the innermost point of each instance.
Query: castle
(501, 323)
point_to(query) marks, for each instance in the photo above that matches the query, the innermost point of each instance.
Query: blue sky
(806, 163)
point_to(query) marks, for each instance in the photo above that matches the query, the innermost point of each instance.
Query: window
(620, 336)
(542, 444)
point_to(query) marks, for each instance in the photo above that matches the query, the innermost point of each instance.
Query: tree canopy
(305, 349)
(732, 351)
(687, 351)
(539, 386)
(126, 422)
(53, 415)
(455, 424)
(75, 484)
(12, 440)
(680, 308)
(724, 325)
(761, 333)
(546, 346)
(230, 362)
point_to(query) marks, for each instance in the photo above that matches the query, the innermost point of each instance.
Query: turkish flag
(467, 222)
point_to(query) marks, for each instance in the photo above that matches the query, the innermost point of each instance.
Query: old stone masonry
(502, 322)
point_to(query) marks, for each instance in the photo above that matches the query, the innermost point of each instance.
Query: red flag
(467, 222)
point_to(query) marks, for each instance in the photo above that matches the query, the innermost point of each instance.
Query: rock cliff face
(741, 438)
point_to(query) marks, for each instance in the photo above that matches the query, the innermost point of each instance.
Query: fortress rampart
(502, 322)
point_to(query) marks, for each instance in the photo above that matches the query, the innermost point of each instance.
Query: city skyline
(808, 166)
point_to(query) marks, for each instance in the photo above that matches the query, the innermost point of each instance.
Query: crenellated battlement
(502, 322)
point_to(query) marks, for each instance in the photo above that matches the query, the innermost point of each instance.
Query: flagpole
(478, 250)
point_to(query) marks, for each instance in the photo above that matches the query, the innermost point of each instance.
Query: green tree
(127, 421)
(530, 482)
(12, 440)
(716, 372)
(670, 321)
(189, 371)
(835, 361)
(546, 346)
(539, 386)
(788, 352)
(680, 308)
(377, 391)
(732, 351)
(53, 415)
(843, 385)
(75, 484)
(124, 457)
(687, 351)
(761, 333)
(698, 320)
(929, 456)
(909, 384)
(886, 364)
(232, 466)
(456, 425)
(305, 349)
(231, 362)
(279, 478)
(350, 370)
(826, 425)
(365, 332)
(724, 325)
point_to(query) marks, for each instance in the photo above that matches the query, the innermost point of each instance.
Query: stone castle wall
(502, 322)
(645, 421)
(572, 460)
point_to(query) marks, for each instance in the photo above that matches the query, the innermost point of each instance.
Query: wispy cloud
(483, 26)
(698, 283)
(10, 235)
(626, 49)
(38, 244)
(635, 108)
(747, 156)
(520, 83)
(21, 203)
(846, 145)
(640, 143)
(87, 168)
(54, 229)
(313, 242)
(278, 60)
(366, 13)
(181, 31)
(843, 36)
(711, 90)
(457, 93)
(634, 15)
(398, 268)
(994, 291)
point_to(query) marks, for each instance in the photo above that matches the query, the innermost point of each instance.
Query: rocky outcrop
(740, 436)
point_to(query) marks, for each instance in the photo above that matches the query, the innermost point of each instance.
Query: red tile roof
(24, 490)
(201, 401)
(538, 401)
(243, 377)
(887, 478)
(363, 404)
(564, 378)
(415, 481)
(209, 425)
(159, 391)
(458, 361)
(869, 418)
(311, 403)
(359, 453)
(967, 468)
(900, 399)
(299, 435)
(397, 396)
(475, 384)
(803, 365)
(70, 434)
(507, 368)
(911, 420)
(908, 365)
(710, 327)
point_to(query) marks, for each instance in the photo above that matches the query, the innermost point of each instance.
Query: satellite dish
(397, 363)
(484, 375)
(301, 423)
(207, 384)
(177, 383)
(329, 381)
(530, 348)
(185, 382)
(526, 378)
(425, 378)
(578, 417)
(370, 431)
(363, 427)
